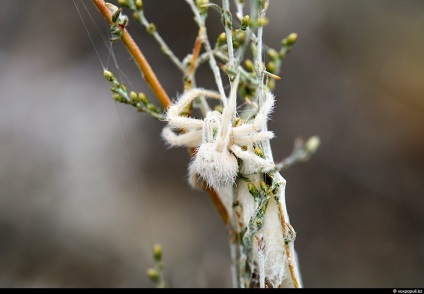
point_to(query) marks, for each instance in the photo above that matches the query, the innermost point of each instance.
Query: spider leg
(264, 111)
(184, 100)
(248, 128)
(228, 115)
(252, 163)
(240, 137)
(184, 123)
(189, 139)
(173, 115)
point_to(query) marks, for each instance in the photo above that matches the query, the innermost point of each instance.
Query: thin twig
(212, 62)
(145, 68)
(258, 58)
(196, 52)
(194, 59)
(164, 47)
(240, 6)
(228, 32)
(189, 79)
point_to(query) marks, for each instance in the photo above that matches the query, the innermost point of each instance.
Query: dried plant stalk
(230, 145)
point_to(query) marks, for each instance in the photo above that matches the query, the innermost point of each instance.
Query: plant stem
(145, 68)
(212, 62)
(164, 47)
(196, 53)
(189, 78)
(240, 6)
(284, 218)
(228, 32)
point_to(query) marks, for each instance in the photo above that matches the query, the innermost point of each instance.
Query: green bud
(123, 3)
(222, 39)
(139, 4)
(245, 22)
(249, 65)
(142, 97)
(262, 21)
(116, 97)
(253, 191)
(271, 67)
(273, 54)
(153, 274)
(133, 95)
(258, 151)
(116, 88)
(151, 28)
(157, 252)
(152, 108)
(290, 40)
(254, 49)
(263, 186)
(312, 144)
(239, 36)
(109, 75)
(201, 5)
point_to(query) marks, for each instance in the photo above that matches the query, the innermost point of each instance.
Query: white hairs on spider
(218, 140)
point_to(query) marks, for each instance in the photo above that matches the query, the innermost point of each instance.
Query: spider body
(218, 141)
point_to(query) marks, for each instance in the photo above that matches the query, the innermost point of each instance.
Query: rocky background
(73, 213)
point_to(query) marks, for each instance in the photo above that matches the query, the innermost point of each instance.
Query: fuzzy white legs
(190, 139)
(184, 100)
(244, 138)
(252, 163)
(264, 111)
(173, 115)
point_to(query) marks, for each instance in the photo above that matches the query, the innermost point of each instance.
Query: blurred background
(75, 213)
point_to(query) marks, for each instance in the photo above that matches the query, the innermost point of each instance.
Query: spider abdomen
(218, 169)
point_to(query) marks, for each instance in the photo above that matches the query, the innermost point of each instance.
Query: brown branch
(193, 63)
(147, 72)
(196, 52)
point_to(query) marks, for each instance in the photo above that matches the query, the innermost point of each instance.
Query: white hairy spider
(218, 140)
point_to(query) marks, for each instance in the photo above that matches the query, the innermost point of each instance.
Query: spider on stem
(220, 139)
